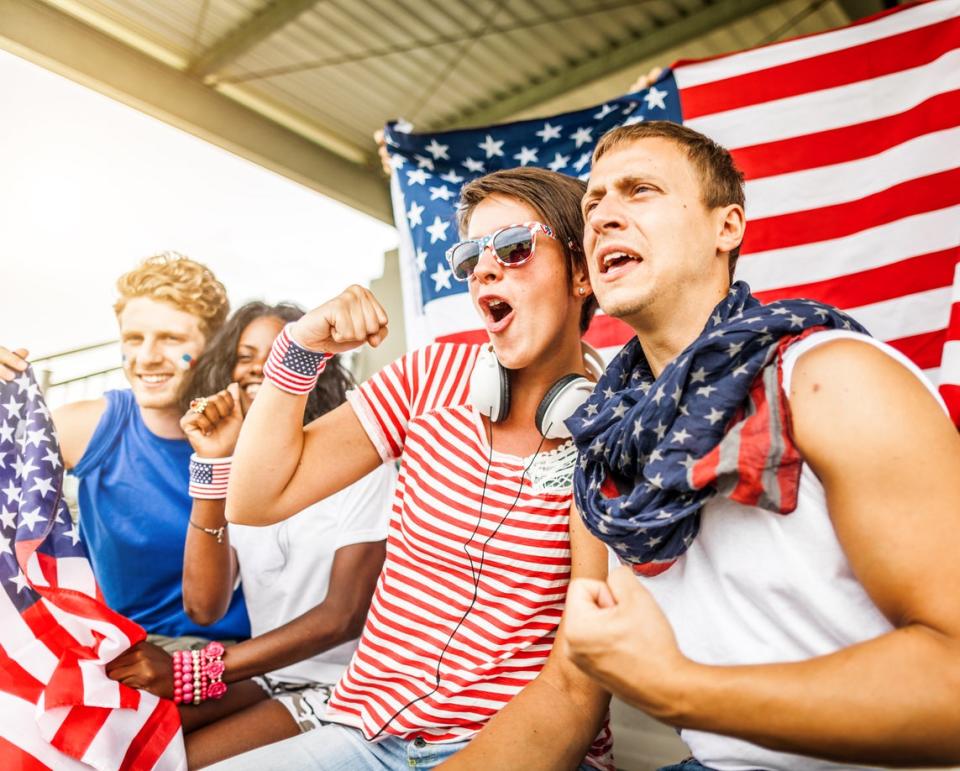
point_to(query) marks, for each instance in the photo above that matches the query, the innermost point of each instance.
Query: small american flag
(850, 144)
(59, 709)
(208, 480)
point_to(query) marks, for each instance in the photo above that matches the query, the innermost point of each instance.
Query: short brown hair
(721, 182)
(178, 281)
(554, 196)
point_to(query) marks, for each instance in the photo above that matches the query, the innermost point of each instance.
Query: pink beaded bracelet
(198, 675)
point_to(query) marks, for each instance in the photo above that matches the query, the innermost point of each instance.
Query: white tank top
(757, 587)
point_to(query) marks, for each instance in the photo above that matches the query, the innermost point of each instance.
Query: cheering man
(784, 488)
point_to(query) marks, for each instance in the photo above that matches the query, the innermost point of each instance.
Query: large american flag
(850, 144)
(59, 710)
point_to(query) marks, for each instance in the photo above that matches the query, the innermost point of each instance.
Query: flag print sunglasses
(512, 246)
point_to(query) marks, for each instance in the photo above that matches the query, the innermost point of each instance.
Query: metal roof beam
(69, 47)
(606, 62)
(272, 17)
(858, 9)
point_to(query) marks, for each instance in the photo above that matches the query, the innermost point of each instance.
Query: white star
(403, 126)
(714, 416)
(33, 391)
(604, 112)
(698, 376)
(526, 155)
(438, 230)
(680, 436)
(821, 312)
(491, 146)
(396, 161)
(34, 438)
(677, 393)
(608, 392)
(660, 430)
(688, 463)
(6, 432)
(636, 118)
(24, 469)
(8, 517)
(654, 98)
(548, 132)
(22, 382)
(779, 311)
(706, 390)
(582, 161)
(5, 545)
(582, 135)
(441, 278)
(73, 533)
(741, 370)
(421, 260)
(620, 410)
(438, 150)
(592, 409)
(20, 581)
(31, 518)
(637, 427)
(657, 481)
(597, 447)
(12, 492)
(443, 192)
(654, 541)
(795, 320)
(13, 407)
(558, 162)
(474, 166)
(44, 485)
(414, 215)
(452, 177)
(423, 162)
(657, 395)
(656, 454)
(417, 177)
(733, 349)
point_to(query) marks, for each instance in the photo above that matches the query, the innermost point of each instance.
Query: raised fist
(212, 424)
(349, 320)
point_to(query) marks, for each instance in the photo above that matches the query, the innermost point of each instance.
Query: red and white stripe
(850, 142)
(445, 507)
(277, 372)
(219, 470)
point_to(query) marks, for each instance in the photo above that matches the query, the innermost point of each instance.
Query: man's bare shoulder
(75, 424)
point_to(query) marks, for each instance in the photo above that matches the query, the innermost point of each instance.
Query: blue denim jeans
(339, 748)
(690, 764)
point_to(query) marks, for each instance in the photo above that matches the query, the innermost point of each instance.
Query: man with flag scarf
(782, 489)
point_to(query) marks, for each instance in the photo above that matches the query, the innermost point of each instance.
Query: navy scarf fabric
(653, 451)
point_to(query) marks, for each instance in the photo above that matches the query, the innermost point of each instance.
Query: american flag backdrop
(850, 144)
(59, 710)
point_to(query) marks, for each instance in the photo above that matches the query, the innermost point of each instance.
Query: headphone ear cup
(559, 403)
(490, 386)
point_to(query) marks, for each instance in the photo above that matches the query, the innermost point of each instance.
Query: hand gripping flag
(850, 144)
(59, 710)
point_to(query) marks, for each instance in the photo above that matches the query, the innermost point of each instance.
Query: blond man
(128, 450)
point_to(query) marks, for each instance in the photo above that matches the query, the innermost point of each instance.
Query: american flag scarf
(653, 451)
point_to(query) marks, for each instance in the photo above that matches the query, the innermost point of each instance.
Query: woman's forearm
(209, 564)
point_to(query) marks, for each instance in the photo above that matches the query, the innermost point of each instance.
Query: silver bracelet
(214, 531)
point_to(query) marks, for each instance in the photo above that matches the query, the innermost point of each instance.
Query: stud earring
(582, 291)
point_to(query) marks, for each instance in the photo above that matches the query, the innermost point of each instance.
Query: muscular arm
(888, 459)
(336, 620)
(552, 722)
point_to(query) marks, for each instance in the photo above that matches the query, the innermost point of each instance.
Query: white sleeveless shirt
(757, 587)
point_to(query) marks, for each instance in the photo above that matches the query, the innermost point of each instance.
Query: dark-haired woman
(307, 581)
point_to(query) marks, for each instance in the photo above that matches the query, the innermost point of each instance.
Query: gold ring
(198, 405)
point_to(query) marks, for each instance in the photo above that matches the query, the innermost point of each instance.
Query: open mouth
(497, 313)
(613, 260)
(499, 309)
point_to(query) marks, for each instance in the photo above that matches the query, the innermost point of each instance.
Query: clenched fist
(349, 320)
(212, 424)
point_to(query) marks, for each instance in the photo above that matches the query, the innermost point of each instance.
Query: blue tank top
(134, 510)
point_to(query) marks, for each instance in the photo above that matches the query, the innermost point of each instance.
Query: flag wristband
(209, 477)
(291, 367)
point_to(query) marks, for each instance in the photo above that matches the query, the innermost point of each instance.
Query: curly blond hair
(181, 282)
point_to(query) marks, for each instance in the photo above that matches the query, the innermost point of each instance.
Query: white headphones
(490, 392)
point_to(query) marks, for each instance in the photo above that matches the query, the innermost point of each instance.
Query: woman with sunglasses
(307, 581)
(481, 545)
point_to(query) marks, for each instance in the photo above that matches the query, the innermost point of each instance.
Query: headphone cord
(475, 574)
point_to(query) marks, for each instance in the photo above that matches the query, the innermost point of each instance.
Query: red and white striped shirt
(446, 506)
